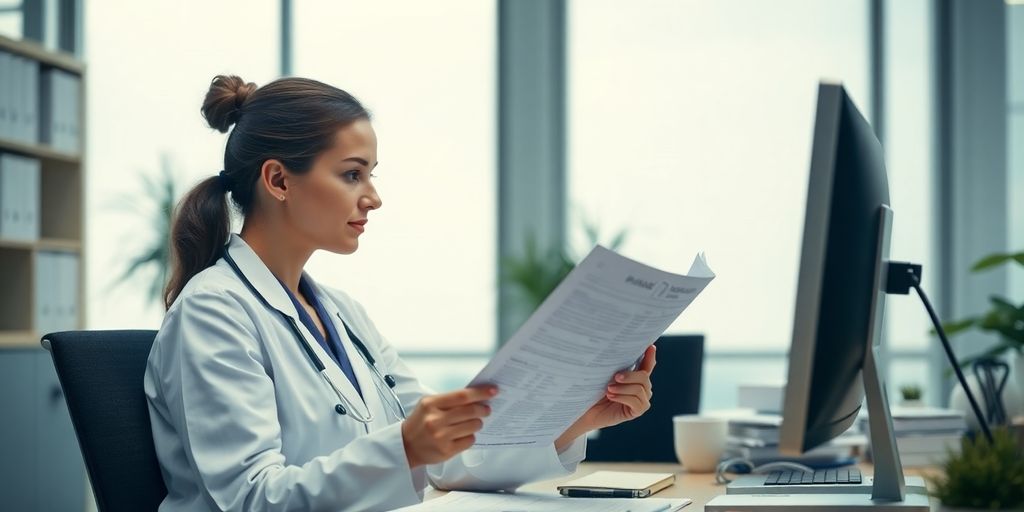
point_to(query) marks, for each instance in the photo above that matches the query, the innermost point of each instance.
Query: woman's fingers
(637, 377)
(638, 390)
(466, 412)
(634, 403)
(647, 365)
(461, 397)
(443, 425)
(462, 429)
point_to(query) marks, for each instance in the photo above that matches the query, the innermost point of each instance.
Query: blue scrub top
(332, 345)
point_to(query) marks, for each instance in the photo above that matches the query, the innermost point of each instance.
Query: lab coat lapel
(367, 380)
(267, 285)
(261, 277)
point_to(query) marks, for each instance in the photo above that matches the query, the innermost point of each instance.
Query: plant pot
(917, 402)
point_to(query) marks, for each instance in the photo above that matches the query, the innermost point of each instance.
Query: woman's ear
(272, 176)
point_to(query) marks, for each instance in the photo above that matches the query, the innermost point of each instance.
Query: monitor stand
(888, 488)
(887, 466)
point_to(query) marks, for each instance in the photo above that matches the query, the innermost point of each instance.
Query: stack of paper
(755, 436)
(543, 502)
(923, 434)
(765, 397)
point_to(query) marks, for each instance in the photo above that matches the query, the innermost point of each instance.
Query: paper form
(457, 501)
(598, 321)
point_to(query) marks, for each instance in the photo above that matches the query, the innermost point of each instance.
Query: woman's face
(330, 203)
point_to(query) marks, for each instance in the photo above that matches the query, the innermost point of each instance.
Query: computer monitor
(840, 296)
(838, 319)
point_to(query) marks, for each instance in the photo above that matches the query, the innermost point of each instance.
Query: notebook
(617, 484)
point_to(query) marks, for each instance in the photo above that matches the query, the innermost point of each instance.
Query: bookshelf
(25, 261)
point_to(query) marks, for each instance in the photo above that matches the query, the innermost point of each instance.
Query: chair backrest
(101, 374)
(676, 382)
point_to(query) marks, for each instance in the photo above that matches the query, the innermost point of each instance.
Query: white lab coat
(242, 421)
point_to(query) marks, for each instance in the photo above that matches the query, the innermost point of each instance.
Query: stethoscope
(350, 410)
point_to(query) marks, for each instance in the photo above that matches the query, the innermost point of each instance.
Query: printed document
(599, 320)
(457, 501)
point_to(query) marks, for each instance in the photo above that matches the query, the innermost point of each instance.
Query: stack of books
(925, 435)
(754, 436)
(765, 397)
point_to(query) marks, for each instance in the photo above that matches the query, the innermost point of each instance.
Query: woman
(268, 391)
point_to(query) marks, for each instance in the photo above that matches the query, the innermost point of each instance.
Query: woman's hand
(627, 397)
(444, 425)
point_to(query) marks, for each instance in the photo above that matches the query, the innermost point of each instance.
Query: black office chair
(101, 374)
(676, 381)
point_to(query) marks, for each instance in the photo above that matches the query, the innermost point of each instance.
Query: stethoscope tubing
(318, 365)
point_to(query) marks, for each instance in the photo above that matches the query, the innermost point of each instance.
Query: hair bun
(224, 101)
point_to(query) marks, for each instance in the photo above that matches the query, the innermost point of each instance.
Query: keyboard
(821, 476)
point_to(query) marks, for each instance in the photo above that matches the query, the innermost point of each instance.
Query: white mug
(699, 441)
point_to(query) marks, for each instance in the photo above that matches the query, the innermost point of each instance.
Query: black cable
(916, 283)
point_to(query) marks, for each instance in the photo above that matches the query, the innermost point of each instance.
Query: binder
(70, 287)
(39, 309)
(74, 97)
(5, 95)
(33, 168)
(46, 110)
(56, 89)
(57, 99)
(18, 198)
(21, 86)
(32, 102)
(45, 277)
(6, 197)
(16, 99)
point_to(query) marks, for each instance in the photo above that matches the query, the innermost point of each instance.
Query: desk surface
(699, 487)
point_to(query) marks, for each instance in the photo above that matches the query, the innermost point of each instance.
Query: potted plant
(1006, 320)
(983, 476)
(911, 394)
(154, 205)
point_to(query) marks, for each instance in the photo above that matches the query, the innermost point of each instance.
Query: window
(907, 140)
(1015, 161)
(149, 67)
(690, 125)
(709, 109)
(425, 269)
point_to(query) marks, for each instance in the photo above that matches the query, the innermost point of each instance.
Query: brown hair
(290, 119)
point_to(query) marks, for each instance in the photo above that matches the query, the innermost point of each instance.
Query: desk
(699, 487)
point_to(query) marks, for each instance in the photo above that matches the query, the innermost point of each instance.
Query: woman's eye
(356, 176)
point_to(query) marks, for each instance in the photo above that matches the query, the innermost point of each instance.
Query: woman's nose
(372, 201)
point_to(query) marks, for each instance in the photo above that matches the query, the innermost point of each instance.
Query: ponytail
(199, 232)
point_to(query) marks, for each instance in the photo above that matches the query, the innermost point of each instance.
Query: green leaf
(994, 260)
(155, 204)
(955, 327)
(993, 351)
